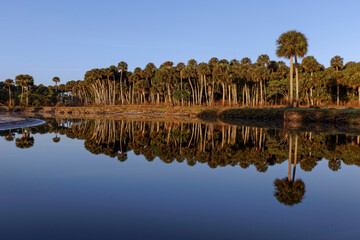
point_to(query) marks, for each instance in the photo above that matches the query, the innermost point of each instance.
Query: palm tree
(168, 69)
(20, 81)
(337, 62)
(292, 44)
(180, 67)
(28, 81)
(310, 65)
(148, 74)
(56, 80)
(9, 83)
(122, 66)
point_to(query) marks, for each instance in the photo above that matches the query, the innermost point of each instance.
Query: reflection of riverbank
(330, 128)
(199, 142)
(10, 122)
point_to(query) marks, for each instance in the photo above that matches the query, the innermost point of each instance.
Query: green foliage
(289, 192)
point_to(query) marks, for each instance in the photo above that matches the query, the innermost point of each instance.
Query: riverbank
(146, 110)
(335, 121)
(289, 116)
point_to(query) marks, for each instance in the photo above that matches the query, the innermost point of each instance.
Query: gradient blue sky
(67, 38)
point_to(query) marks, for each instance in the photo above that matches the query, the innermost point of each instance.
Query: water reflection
(288, 190)
(26, 140)
(197, 142)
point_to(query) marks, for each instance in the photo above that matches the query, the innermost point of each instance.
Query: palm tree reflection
(25, 141)
(289, 191)
(10, 136)
(56, 139)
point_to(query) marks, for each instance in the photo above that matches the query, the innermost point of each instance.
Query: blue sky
(67, 38)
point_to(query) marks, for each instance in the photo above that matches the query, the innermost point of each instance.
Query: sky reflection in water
(61, 190)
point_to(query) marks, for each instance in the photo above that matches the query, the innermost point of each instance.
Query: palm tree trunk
(192, 90)
(265, 98)
(10, 97)
(229, 88)
(121, 89)
(297, 81)
(27, 96)
(337, 95)
(243, 96)
(181, 87)
(22, 94)
(169, 93)
(261, 93)
(291, 81)
(224, 91)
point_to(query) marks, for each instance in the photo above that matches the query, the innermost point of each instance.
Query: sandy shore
(9, 122)
(9, 119)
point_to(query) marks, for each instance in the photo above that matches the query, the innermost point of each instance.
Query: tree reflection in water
(26, 140)
(289, 191)
(214, 145)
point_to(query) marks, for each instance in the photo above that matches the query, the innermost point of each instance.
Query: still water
(132, 179)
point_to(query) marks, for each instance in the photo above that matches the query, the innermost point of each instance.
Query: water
(131, 179)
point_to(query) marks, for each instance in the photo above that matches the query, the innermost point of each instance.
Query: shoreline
(283, 114)
(326, 120)
(11, 122)
(289, 118)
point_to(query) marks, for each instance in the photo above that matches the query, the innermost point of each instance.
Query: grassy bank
(124, 110)
(287, 115)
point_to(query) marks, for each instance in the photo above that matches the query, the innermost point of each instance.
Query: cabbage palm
(28, 81)
(56, 80)
(180, 68)
(9, 83)
(337, 62)
(20, 81)
(148, 74)
(292, 44)
(310, 65)
(122, 66)
(168, 69)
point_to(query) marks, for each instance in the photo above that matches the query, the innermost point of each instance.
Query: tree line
(213, 83)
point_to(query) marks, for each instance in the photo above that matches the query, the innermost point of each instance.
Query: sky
(67, 38)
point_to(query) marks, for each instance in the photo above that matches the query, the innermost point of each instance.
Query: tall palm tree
(9, 83)
(310, 65)
(20, 81)
(169, 70)
(289, 45)
(56, 80)
(337, 62)
(122, 66)
(180, 67)
(148, 74)
(28, 81)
